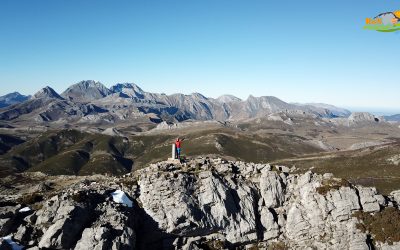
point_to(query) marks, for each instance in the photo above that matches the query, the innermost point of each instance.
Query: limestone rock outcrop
(204, 203)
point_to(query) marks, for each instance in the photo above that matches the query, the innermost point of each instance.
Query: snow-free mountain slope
(86, 91)
(12, 98)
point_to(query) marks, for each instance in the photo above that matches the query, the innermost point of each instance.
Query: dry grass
(278, 246)
(384, 226)
(332, 184)
(214, 245)
(367, 167)
(30, 199)
(129, 182)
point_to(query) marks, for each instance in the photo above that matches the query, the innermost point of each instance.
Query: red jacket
(178, 144)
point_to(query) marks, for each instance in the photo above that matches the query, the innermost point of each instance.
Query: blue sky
(299, 51)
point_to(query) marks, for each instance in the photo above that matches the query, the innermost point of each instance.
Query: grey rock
(24, 234)
(216, 204)
(65, 227)
(112, 230)
(62, 220)
(272, 189)
(396, 196)
(271, 227)
(222, 203)
(370, 199)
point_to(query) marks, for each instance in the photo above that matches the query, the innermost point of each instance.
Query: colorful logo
(384, 22)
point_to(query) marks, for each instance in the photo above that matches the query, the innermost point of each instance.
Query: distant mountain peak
(12, 98)
(119, 87)
(228, 99)
(198, 95)
(15, 93)
(11, 95)
(86, 90)
(88, 84)
(47, 92)
(130, 90)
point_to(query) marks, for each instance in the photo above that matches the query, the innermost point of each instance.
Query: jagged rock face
(320, 221)
(82, 217)
(202, 202)
(249, 202)
(207, 204)
(272, 189)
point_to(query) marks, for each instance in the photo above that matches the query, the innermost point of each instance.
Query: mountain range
(393, 118)
(91, 101)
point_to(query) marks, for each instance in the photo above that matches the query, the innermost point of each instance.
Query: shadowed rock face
(205, 202)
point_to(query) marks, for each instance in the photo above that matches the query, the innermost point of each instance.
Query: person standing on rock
(178, 143)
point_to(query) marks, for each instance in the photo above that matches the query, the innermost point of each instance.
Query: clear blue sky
(299, 51)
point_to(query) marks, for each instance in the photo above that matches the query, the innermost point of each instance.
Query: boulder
(370, 200)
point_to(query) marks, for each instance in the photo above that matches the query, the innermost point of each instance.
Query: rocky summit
(205, 203)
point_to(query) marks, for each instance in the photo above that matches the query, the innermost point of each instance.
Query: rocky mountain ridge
(90, 101)
(204, 203)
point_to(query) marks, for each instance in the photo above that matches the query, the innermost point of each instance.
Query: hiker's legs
(179, 153)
